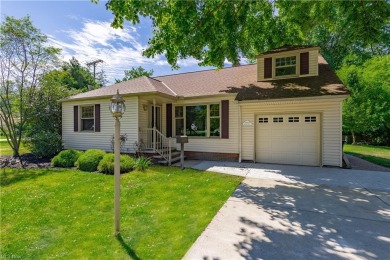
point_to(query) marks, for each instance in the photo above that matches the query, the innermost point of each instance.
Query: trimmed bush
(106, 165)
(142, 163)
(89, 160)
(66, 158)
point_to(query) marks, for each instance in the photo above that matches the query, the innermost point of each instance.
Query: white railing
(154, 140)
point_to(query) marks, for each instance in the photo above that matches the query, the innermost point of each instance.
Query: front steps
(158, 159)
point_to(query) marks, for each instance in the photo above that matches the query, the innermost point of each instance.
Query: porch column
(154, 124)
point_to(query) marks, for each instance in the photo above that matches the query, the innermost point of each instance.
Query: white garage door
(288, 139)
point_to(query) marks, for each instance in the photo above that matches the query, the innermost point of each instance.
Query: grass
(376, 154)
(5, 149)
(50, 213)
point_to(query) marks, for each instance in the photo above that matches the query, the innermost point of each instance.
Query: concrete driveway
(293, 212)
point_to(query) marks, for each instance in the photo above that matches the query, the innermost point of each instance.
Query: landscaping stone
(26, 161)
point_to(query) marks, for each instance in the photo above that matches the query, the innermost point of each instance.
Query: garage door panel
(293, 141)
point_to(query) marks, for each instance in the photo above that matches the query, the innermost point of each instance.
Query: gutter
(314, 98)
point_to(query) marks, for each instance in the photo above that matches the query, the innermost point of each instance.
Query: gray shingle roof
(241, 81)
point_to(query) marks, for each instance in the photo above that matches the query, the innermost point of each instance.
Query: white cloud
(120, 49)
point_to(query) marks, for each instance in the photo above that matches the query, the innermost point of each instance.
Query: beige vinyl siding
(313, 63)
(100, 140)
(260, 69)
(329, 111)
(213, 144)
(143, 119)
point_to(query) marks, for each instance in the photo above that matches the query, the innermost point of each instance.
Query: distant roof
(288, 48)
(241, 81)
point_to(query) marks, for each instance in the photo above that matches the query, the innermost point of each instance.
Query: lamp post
(117, 109)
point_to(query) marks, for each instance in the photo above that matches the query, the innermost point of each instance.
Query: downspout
(239, 132)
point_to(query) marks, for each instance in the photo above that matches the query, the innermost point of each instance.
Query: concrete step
(173, 160)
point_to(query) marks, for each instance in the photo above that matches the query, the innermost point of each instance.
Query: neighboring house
(285, 109)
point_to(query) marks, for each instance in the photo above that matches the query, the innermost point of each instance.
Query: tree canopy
(214, 31)
(367, 111)
(135, 72)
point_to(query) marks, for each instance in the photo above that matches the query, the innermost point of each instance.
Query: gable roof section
(326, 83)
(138, 85)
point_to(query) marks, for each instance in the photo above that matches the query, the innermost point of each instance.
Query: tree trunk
(353, 137)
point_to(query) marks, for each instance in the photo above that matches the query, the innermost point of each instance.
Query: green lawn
(5, 149)
(375, 154)
(48, 213)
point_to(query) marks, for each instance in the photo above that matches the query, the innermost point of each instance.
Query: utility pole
(93, 63)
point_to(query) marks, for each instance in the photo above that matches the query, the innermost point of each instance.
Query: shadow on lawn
(11, 176)
(128, 249)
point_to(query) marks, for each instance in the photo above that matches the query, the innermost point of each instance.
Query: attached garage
(288, 139)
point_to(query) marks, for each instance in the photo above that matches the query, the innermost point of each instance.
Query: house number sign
(247, 123)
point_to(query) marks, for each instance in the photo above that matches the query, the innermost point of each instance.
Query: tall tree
(24, 57)
(214, 31)
(367, 111)
(135, 72)
(44, 126)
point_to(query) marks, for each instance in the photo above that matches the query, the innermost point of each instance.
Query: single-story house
(285, 109)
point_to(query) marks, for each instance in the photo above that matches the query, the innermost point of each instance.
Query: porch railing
(154, 140)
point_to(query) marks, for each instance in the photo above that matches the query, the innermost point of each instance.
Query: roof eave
(322, 97)
(123, 95)
(289, 51)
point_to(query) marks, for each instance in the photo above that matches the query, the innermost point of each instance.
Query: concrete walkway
(360, 164)
(293, 212)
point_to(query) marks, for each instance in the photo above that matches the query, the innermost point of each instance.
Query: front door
(158, 117)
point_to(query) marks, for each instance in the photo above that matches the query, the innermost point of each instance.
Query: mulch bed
(26, 161)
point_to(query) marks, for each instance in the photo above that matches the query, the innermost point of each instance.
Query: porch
(152, 137)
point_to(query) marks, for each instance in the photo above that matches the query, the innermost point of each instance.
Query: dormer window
(288, 62)
(285, 66)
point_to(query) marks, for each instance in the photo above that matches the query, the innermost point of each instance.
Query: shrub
(106, 165)
(89, 160)
(66, 158)
(142, 163)
(45, 144)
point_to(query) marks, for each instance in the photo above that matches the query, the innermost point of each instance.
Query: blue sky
(82, 29)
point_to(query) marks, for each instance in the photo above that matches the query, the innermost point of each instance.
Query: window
(285, 66)
(278, 119)
(199, 120)
(263, 119)
(87, 118)
(196, 117)
(214, 120)
(310, 119)
(179, 120)
(293, 119)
